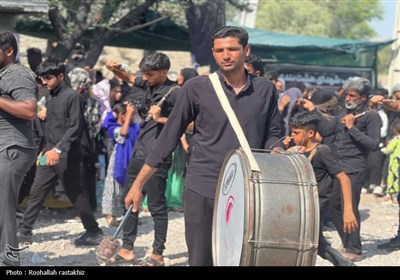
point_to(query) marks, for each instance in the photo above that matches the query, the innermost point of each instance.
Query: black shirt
(149, 131)
(393, 119)
(64, 122)
(351, 146)
(326, 167)
(16, 83)
(255, 107)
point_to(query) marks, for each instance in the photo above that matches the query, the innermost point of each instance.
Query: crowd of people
(166, 141)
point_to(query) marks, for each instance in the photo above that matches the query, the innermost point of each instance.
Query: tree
(104, 19)
(71, 18)
(326, 18)
(202, 20)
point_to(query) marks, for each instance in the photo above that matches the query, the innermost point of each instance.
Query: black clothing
(64, 124)
(351, 241)
(154, 189)
(255, 107)
(393, 118)
(257, 111)
(375, 166)
(198, 229)
(326, 167)
(63, 130)
(90, 155)
(149, 133)
(156, 185)
(351, 146)
(69, 170)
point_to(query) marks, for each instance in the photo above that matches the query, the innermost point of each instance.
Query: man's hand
(286, 141)
(155, 112)
(116, 68)
(377, 99)
(42, 114)
(348, 121)
(130, 109)
(112, 65)
(283, 102)
(306, 104)
(296, 149)
(134, 197)
(277, 150)
(349, 221)
(52, 157)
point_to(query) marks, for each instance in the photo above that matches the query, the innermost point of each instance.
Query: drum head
(229, 213)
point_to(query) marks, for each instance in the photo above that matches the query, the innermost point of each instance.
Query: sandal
(112, 221)
(149, 261)
(118, 260)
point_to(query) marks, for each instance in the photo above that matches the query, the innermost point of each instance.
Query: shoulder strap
(312, 154)
(234, 121)
(315, 150)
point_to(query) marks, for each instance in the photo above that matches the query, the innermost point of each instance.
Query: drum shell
(281, 219)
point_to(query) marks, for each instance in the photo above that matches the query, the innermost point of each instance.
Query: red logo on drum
(229, 179)
(229, 207)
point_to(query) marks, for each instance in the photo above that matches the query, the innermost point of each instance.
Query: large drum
(269, 218)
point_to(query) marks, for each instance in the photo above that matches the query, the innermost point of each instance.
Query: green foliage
(175, 9)
(327, 18)
(351, 18)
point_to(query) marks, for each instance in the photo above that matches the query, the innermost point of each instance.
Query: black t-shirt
(351, 146)
(326, 167)
(256, 109)
(150, 130)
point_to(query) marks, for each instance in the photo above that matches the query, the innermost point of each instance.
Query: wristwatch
(57, 150)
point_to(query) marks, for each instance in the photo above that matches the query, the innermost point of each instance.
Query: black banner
(326, 77)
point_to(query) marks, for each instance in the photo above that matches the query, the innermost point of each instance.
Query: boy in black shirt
(305, 136)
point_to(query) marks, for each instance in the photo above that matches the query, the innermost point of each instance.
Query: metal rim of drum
(309, 202)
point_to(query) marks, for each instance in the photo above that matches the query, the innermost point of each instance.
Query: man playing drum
(253, 99)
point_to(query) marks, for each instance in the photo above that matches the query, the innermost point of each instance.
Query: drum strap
(234, 121)
(312, 153)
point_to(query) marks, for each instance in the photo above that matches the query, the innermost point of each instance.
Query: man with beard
(357, 130)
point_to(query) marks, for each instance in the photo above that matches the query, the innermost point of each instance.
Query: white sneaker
(371, 187)
(364, 190)
(378, 191)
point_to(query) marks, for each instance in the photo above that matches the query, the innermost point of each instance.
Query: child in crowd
(326, 167)
(121, 128)
(393, 149)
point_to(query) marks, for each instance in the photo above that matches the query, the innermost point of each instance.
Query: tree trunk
(96, 48)
(203, 20)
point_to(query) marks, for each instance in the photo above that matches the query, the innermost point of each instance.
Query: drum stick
(389, 101)
(359, 115)
(123, 67)
(356, 116)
